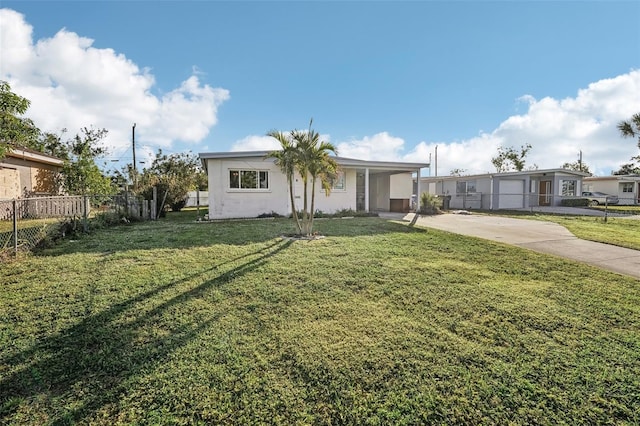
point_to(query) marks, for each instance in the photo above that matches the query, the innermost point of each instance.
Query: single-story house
(626, 187)
(25, 172)
(510, 190)
(248, 184)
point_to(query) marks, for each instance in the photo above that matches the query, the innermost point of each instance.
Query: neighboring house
(25, 172)
(511, 190)
(197, 198)
(247, 184)
(626, 187)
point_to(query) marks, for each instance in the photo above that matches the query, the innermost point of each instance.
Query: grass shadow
(89, 364)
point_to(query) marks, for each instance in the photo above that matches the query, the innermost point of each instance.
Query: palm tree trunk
(294, 211)
(313, 203)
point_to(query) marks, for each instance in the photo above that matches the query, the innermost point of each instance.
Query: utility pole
(580, 161)
(436, 160)
(135, 171)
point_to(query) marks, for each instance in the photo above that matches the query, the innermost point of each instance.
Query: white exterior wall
(338, 199)
(401, 186)
(608, 186)
(613, 187)
(226, 203)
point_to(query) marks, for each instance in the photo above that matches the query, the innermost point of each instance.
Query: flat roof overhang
(377, 166)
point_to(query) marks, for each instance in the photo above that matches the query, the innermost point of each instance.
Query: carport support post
(418, 191)
(366, 190)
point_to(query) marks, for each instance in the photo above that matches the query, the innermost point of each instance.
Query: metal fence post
(15, 227)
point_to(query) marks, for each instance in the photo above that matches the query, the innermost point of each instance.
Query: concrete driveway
(544, 237)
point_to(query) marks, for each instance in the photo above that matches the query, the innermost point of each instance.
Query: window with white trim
(248, 179)
(568, 188)
(338, 183)
(627, 187)
(466, 187)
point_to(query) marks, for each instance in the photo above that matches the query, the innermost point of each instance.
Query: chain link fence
(619, 206)
(26, 223)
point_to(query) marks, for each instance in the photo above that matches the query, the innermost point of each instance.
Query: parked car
(596, 198)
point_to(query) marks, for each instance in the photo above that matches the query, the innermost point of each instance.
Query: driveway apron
(544, 237)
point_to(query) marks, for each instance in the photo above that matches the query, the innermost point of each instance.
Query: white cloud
(256, 143)
(73, 85)
(557, 130)
(381, 147)
(262, 143)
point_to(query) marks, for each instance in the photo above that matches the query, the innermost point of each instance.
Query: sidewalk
(544, 237)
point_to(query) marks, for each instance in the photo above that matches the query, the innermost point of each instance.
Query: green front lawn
(177, 322)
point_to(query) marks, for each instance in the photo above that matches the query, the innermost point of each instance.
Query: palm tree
(286, 159)
(320, 166)
(304, 153)
(631, 128)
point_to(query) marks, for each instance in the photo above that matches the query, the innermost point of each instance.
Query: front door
(544, 193)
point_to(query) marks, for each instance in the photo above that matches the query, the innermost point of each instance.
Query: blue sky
(382, 80)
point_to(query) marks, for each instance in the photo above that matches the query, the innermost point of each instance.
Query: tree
(174, 176)
(286, 160)
(305, 154)
(630, 129)
(629, 168)
(508, 159)
(578, 167)
(320, 166)
(457, 172)
(80, 173)
(52, 144)
(14, 130)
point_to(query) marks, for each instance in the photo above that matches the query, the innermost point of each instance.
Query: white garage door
(511, 194)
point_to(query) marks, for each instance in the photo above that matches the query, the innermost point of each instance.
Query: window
(338, 182)
(465, 187)
(627, 187)
(569, 188)
(248, 179)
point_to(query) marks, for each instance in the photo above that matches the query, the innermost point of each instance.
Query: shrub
(574, 202)
(429, 204)
(178, 205)
(272, 214)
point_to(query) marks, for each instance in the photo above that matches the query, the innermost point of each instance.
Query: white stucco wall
(606, 186)
(613, 187)
(338, 199)
(401, 186)
(225, 203)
